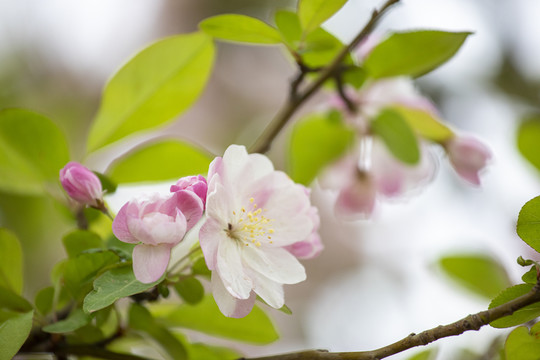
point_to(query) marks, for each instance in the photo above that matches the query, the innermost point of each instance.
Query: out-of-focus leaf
(122, 249)
(160, 161)
(158, 84)
(206, 317)
(479, 273)
(397, 135)
(413, 53)
(141, 319)
(78, 241)
(240, 28)
(521, 316)
(424, 355)
(112, 285)
(424, 124)
(190, 290)
(109, 186)
(355, 76)
(200, 268)
(528, 224)
(528, 139)
(289, 26)
(44, 300)
(313, 13)
(80, 271)
(206, 352)
(320, 48)
(76, 319)
(12, 301)
(315, 142)
(32, 152)
(522, 344)
(11, 271)
(13, 334)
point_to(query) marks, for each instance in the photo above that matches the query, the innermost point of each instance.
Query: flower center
(250, 226)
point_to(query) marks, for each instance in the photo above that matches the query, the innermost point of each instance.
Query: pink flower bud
(81, 184)
(468, 156)
(196, 184)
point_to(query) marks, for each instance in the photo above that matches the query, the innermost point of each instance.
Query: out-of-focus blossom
(156, 225)
(468, 156)
(312, 246)
(81, 184)
(252, 214)
(196, 184)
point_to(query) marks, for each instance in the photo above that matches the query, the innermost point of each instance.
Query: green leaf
(240, 28)
(11, 270)
(141, 319)
(200, 268)
(112, 285)
(109, 186)
(530, 276)
(206, 352)
(320, 48)
(79, 241)
(528, 139)
(316, 141)
(481, 274)
(397, 136)
(425, 124)
(190, 290)
(158, 84)
(521, 316)
(528, 224)
(122, 249)
(206, 317)
(76, 319)
(165, 160)
(44, 300)
(413, 53)
(423, 355)
(13, 334)
(355, 76)
(522, 345)
(289, 26)
(12, 301)
(313, 13)
(32, 152)
(79, 272)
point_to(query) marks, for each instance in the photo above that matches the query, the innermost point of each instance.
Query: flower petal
(270, 291)
(210, 236)
(229, 305)
(276, 264)
(231, 269)
(150, 262)
(120, 226)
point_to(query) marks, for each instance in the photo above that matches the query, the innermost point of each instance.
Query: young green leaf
(313, 13)
(315, 142)
(44, 300)
(206, 352)
(12, 301)
(289, 26)
(530, 276)
(424, 123)
(11, 271)
(158, 84)
(76, 319)
(164, 160)
(112, 285)
(320, 47)
(79, 241)
(413, 53)
(521, 316)
(190, 290)
(397, 135)
(424, 355)
(240, 28)
(528, 139)
(528, 224)
(32, 152)
(480, 274)
(522, 345)
(206, 317)
(109, 186)
(13, 334)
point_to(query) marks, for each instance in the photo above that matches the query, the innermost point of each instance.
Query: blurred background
(378, 280)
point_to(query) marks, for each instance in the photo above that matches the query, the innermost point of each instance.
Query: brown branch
(294, 102)
(470, 322)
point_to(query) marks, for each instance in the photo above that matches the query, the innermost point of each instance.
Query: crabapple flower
(312, 245)
(156, 225)
(253, 213)
(468, 157)
(81, 184)
(196, 184)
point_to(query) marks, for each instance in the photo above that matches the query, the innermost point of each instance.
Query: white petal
(210, 236)
(229, 305)
(150, 262)
(231, 269)
(219, 203)
(277, 264)
(270, 291)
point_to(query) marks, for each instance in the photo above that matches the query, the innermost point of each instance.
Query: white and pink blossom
(156, 224)
(253, 213)
(468, 156)
(196, 184)
(81, 184)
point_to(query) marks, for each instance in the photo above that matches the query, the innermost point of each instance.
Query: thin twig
(470, 322)
(293, 103)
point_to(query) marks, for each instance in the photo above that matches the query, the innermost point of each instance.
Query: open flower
(81, 184)
(468, 156)
(156, 225)
(253, 213)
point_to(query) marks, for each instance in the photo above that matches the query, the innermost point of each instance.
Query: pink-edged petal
(150, 262)
(307, 249)
(120, 226)
(227, 304)
(357, 200)
(188, 203)
(231, 269)
(270, 291)
(210, 236)
(219, 203)
(277, 264)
